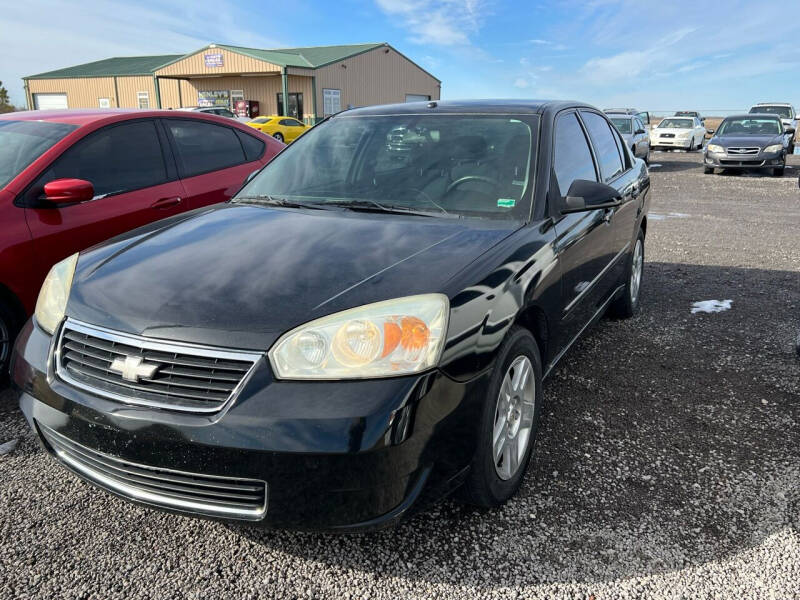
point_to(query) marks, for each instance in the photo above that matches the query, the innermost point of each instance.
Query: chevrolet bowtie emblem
(133, 368)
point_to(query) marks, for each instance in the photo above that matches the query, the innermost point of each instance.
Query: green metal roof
(309, 58)
(109, 67)
(312, 57)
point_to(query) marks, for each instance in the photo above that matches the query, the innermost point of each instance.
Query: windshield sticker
(506, 202)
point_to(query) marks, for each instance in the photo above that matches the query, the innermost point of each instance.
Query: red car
(72, 178)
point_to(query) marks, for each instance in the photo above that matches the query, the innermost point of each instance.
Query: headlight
(774, 148)
(715, 148)
(52, 301)
(385, 339)
(683, 136)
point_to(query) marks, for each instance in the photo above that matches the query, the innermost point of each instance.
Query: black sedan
(365, 327)
(749, 141)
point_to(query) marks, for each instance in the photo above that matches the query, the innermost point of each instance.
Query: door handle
(162, 203)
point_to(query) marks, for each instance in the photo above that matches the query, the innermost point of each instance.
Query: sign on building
(331, 101)
(213, 98)
(214, 60)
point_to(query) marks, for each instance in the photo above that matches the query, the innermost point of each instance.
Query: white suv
(784, 110)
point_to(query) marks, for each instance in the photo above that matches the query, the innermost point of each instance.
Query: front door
(134, 184)
(584, 240)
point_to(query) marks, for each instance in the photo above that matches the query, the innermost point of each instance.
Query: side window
(572, 158)
(204, 147)
(287, 122)
(606, 145)
(115, 159)
(253, 148)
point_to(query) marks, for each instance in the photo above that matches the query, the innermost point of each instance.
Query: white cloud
(439, 22)
(105, 28)
(521, 83)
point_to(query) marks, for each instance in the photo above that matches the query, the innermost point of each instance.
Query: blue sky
(656, 56)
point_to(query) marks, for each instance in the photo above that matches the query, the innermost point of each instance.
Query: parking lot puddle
(672, 215)
(711, 306)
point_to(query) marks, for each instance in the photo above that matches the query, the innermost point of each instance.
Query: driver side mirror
(788, 130)
(709, 131)
(586, 195)
(68, 191)
(639, 131)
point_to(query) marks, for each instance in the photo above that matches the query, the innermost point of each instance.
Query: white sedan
(686, 133)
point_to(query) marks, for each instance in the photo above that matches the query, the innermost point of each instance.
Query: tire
(491, 483)
(647, 157)
(9, 327)
(708, 170)
(627, 304)
(278, 136)
(778, 171)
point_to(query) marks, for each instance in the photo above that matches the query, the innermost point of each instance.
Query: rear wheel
(508, 424)
(278, 136)
(627, 304)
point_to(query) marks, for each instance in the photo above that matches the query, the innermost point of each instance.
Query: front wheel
(9, 327)
(778, 171)
(708, 170)
(627, 304)
(508, 423)
(278, 136)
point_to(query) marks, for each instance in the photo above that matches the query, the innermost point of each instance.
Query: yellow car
(283, 129)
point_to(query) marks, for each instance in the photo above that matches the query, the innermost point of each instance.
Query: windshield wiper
(373, 206)
(278, 201)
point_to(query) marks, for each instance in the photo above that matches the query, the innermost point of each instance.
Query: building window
(143, 99)
(331, 101)
(417, 97)
(104, 103)
(236, 95)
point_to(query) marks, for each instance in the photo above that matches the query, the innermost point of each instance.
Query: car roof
(772, 104)
(752, 116)
(519, 107)
(87, 116)
(620, 114)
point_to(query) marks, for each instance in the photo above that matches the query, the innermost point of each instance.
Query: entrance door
(295, 105)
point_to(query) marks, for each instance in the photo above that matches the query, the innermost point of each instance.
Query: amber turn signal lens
(391, 337)
(415, 333)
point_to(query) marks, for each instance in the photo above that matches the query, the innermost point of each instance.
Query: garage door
(49, 101)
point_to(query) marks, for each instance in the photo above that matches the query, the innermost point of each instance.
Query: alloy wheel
(513, 418)
(5, 343)
(636, 271)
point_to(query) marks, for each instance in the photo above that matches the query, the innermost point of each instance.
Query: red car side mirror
(66, 191)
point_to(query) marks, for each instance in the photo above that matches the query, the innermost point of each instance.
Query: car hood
(241, 275)
(744, 141)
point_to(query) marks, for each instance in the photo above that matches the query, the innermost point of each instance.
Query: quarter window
(204, 147)
(116, 159)
(572, 158)
(253, 148)
(606, 145)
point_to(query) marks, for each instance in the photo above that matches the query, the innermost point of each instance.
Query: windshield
(782, 111)
(677, 123)
(746, 126)
(22, 142)
(447, 165)
(624, 125)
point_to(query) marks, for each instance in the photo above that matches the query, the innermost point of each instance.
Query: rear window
(22, 142)
(205, 147)
(624, 125)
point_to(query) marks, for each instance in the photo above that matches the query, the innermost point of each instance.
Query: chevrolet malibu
(359, 331)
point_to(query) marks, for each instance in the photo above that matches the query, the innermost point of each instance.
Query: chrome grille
(186, 377)
(206, 494)
(744, 150)
(667, 135)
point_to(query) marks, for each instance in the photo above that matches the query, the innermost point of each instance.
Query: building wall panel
(375, 77)
(81, 93)
(232, 62)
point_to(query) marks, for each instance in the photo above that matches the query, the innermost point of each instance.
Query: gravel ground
(668, 463)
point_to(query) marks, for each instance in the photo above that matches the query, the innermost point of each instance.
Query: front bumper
(762, 160)
(664, 143)
(332, 455)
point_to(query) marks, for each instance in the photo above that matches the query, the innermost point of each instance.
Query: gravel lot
(668, 463)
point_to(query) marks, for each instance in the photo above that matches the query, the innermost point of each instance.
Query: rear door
(213, 160)
(583, 240)
(135, 182)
